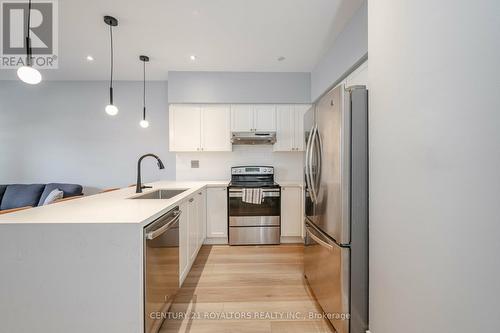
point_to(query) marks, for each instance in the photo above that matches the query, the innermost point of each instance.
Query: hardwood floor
(246, 289)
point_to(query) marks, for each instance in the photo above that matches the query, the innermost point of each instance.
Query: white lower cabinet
(191, 231)
(202, 218)
(217, 212)
(193, 226)
(183, 241)
(291, 211)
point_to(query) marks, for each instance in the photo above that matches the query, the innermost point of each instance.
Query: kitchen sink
(160, 194)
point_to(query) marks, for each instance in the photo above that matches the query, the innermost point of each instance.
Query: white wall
(348, 51)
(435, 166)
(59, 132)
(238, 87)
(217, 166)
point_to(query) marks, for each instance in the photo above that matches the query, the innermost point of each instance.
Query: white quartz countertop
(111, 207)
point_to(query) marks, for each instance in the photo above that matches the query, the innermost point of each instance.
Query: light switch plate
(195, 164)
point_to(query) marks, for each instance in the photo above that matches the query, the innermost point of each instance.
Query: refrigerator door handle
(318, 240)
(308, 163)
(320, 163)
(312, 179)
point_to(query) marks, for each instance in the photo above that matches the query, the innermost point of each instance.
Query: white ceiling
(225, 35)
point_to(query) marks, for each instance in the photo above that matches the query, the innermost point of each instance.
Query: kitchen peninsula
(77, 266)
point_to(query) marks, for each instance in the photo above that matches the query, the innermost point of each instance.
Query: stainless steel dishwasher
(161, 268)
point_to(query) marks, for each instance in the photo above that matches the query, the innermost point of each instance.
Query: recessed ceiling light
(192, 57)
(281, 58)
(90, 58)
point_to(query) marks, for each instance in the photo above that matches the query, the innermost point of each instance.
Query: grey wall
(238, 87)
(349, 51)
(435, 166)
(58, 132)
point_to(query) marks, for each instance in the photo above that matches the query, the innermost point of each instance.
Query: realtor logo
(43, 33)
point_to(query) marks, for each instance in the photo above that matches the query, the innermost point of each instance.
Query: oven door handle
(263, 190)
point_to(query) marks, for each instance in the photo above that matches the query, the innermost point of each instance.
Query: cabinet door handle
(191, 200)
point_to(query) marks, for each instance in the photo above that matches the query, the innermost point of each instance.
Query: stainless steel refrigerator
(336, 206)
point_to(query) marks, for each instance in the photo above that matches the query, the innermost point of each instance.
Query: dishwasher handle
(161, 230)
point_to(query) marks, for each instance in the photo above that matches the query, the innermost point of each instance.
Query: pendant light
(27, 73)
(111, 109)
(144, 123)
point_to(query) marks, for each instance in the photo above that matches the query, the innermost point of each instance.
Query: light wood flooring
(246, 289)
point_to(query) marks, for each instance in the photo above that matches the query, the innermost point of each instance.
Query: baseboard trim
(291, 240)
(216, 241)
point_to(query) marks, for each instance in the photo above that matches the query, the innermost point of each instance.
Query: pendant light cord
(28, 35)
(144, 91)
(111, 38)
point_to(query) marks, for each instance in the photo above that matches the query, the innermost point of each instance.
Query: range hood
(253, 138)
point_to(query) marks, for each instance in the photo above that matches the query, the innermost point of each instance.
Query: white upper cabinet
(216, 128)
(285, 123)
(185, 127)
(253, 118)
(290, 127)
(264, 117)
(299, 136)
(242, 118)
(200, 128)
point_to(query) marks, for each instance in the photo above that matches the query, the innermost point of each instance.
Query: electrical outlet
(195, 164)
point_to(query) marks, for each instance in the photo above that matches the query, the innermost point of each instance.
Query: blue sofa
(25, 195)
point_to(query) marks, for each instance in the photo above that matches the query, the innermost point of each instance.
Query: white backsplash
(288, 166)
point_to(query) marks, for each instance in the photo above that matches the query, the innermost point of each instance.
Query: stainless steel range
(254, 206)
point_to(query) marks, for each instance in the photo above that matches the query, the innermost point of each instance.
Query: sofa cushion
(2, 191)
(20, 195)
(53, 197)
(70, 190)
